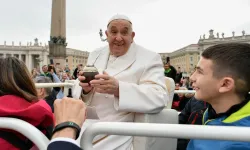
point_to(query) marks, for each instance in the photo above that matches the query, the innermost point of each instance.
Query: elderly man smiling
(131, 79)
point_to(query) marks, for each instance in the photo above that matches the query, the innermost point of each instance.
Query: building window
(192, 67)
(16, 55)
(23, 58)
(66, 60)
(191, 58)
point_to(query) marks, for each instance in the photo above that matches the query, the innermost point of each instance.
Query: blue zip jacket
(238, 118)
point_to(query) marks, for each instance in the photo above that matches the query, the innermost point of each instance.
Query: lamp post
(101, 36)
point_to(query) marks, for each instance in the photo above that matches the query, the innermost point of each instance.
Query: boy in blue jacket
(222, 78)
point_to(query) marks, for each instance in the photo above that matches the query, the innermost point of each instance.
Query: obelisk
(57, 43)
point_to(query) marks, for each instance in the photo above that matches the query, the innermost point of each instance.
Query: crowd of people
(181, 83)
(131, 80)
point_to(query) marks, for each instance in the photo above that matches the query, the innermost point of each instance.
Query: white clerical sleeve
(149, 95)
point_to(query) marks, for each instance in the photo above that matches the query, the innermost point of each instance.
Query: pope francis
(130, 80)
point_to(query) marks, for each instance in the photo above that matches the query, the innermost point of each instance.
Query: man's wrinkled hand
(104, 83)
(85, 86)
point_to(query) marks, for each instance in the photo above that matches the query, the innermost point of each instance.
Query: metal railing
(26, 129)
(45, 85)
(67, 84)
(184, 91)
(155, 130)
(164, 131)
(70, 83)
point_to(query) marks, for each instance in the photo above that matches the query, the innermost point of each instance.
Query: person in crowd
(178, 75)
(64, 77)
(222, 79)
(75, 74)
(59, 72)
(58, 90)
(46, 71)
(177, 86)
(34, 73)
(19, 99)
(48, 94)
(68, 74)
(79, 72)
(67, 110)
(176, 98)
(185, 82)
(130, 80)
(170, 71)
(180, 101)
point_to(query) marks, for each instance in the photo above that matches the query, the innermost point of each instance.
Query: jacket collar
(234, 113)
(213, 115)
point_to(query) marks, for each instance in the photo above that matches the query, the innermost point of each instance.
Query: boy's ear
(226, 84)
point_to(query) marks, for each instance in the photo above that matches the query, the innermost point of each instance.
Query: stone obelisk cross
(57, 43)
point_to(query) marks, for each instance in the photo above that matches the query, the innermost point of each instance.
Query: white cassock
(142, 89)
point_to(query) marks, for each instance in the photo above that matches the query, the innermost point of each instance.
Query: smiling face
(64, 76)
(45, 68)
(207, 87)
(119, 36)
(166, 66)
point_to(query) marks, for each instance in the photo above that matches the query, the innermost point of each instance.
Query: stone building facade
(35, 55)
(187, 57)
(32, 54)
(75, 57)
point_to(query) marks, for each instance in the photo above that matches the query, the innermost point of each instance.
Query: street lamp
(101, 36)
